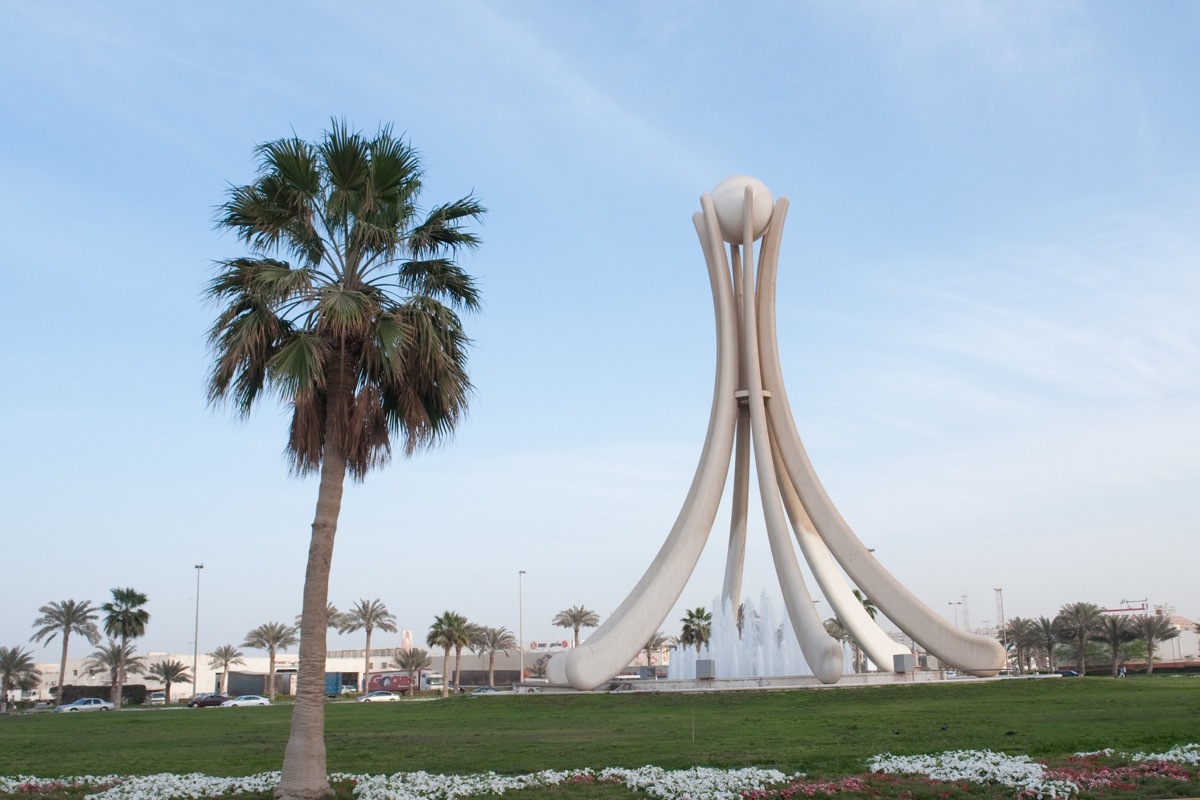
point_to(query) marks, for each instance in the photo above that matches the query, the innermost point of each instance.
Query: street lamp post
(196, 634)
(1001, 623)
(955, 604)
(521, 622)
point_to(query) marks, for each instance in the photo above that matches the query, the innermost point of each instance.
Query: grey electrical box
(903, 662)
(706, 669)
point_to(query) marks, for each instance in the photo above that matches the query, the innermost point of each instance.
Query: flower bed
(959, 773)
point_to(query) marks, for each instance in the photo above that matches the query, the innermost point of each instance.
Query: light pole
(955, 604)
(196, 634)
(521, 622)
(1001, 623)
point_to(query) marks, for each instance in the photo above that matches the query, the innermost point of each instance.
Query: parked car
(379, 697)
(206, 700)
(157, 698)
(1068, 673)
(246, 700)
(484, 690)
(86, 704)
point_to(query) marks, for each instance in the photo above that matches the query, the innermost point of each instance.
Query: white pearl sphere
(729, 197)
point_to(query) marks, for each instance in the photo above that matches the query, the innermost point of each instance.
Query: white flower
(699, 783)
(980, 766)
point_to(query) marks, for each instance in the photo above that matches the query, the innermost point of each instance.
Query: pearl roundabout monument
(751, 417)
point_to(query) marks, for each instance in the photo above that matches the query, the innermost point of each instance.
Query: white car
(86, 704)
(246, 700)
(379, 697)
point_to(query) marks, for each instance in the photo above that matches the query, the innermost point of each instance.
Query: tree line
(1083, 632)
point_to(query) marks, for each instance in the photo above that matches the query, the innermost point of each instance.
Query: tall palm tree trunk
(119, 686)
(62, 665)
(304, 770)
(446, 673)
(367, 663)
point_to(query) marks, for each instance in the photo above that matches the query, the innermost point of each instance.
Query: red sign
(388, 682)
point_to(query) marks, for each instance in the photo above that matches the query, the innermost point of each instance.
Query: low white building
(250, 677)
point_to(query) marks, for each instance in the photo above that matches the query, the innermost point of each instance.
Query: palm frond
(298, 364)
(440, 278)
(442, 228)
(345, 312)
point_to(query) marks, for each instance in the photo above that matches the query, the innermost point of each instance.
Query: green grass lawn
(827, 732)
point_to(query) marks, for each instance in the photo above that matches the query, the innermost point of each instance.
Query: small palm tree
(656, 644)
(1022, 635)
(491, 641)
(448, 631)
(117, 660)
(576, 617)
(346, 310)
(66, 617)
(335, 619)
(274, 637)
(1047, 634)
(470, 635)
(867, 604)
(17, 671)
(168, 672)
(1115, 630)
(1153, 629)
(697, 628)
(367, 615)
(413, 660)
(124, 619)
(222, 659)
(1076, 623)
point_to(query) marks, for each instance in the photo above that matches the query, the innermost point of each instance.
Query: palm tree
(1075, 623)
(17, 671)
(414, 660)
(656, 644)
(448, 631)
(124, 619)
(697, 628)
(1153, 629)
(367, 615)
(222, 659)
(345, 310)
(492, 641)
(116, 659)
(867, 604)
(334, 619)
(272, 637)
(1022, 636)
(1047, 635)
(168, 672)
(1114, 630)
(471, 634)
(66, 617)
(576, 617)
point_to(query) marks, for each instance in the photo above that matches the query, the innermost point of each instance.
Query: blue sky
(987, 299)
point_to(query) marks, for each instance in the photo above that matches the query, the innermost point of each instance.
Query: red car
(206, 700)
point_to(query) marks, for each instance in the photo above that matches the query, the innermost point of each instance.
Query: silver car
(86, 704)
(246, 700)
(379, 697)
